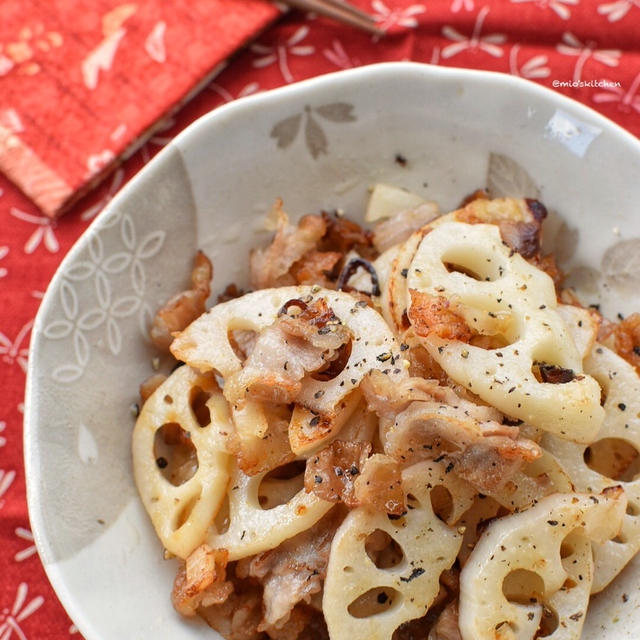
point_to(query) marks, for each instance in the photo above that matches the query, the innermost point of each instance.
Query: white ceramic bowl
(318, 145)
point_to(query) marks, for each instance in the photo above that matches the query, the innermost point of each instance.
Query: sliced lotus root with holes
(394, 298)
(308, 430)
(181, 507)
(507, 297)
(205, 343)
(514, 548)
(583, 326)
(363, 600)
(614, 457)
(248, 527)
(534, 481)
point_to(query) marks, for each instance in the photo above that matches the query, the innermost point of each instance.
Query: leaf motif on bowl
(586, 282)
(621, 264)
(286, 131)
(507, 179)
(315, 138)
(336, 112)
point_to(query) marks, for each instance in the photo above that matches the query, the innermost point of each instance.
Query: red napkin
(79, 87)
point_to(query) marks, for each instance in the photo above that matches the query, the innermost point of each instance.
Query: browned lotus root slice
(181, 511)
(507, 212)
(499, 294)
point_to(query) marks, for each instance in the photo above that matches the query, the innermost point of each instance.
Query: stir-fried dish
(406, 432)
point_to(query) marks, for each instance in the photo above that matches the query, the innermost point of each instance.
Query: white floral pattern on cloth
(26, 552)
(618, 9)
(16, 351)
(12, 616)
(535, 67)
(475, 42)
(571, 46)
(338, 56)
(560, 7)
(155, 44)
(44, 232)
(107, 307)
(387, 17)
(4, 250)
(278, 53)
(6, 480)
(627, 101)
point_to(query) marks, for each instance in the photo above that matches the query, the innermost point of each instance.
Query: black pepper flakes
(417, 572)
(622, 406)
(161, 462)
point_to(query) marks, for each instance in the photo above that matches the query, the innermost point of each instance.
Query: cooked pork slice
(292, 572)
(239, 616)
(380, 485)
(446, 627)
(400, 226)
(432, 315)
(331, 473)
(185, 307)
(201, 581)
(286, 351)
(270, 267)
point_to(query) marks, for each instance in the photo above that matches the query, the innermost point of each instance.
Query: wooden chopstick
(342, 4)
(341, 11)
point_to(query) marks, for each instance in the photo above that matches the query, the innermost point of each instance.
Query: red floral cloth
(78, 88)
(548, 41)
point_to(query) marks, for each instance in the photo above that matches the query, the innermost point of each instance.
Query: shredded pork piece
(201, 581)
(292, 572)
(285, 352)
(332, 472)
(521, 237)
(255, 454)
(626, 336)
(316, 267)
(400, 226)
(184, 308)
(150, 385)
(270, 267)
(380, 485)
(446, 627)
(238, 617)
(431, 315)
(487, 454)
(389, 398)
(343, 235)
